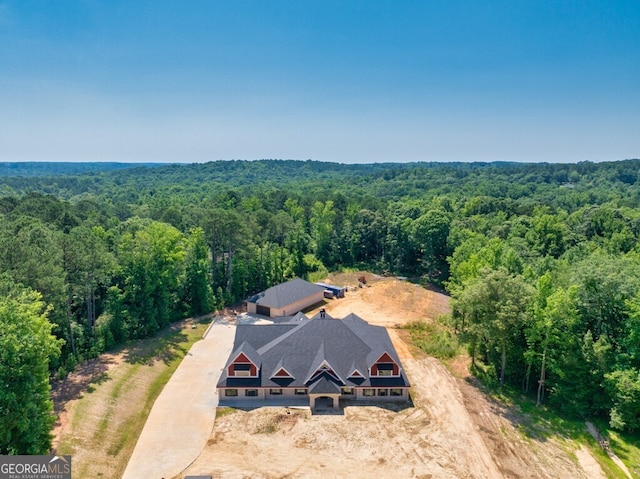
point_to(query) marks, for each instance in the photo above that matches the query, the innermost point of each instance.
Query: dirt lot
(386, 301)
(450, 430)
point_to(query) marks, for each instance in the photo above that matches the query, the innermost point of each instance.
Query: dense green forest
(40, 168)
(542, 260)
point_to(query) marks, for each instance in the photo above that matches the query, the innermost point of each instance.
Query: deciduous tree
(26, 346)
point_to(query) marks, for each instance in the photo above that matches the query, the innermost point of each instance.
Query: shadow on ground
(165, 348)
(83, 380)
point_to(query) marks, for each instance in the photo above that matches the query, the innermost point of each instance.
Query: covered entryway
(324, 393)
(263, 310)
(324, 402)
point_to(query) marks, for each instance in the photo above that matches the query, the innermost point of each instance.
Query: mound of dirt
(388, 302)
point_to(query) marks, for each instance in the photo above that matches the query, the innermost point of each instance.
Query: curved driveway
(182, 417)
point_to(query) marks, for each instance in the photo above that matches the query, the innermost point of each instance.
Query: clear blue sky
(348, 81)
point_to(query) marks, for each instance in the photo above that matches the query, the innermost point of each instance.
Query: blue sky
(348, 81)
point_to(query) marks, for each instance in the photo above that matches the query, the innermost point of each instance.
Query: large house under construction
(322, 360)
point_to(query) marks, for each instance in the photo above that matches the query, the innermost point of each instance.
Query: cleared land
(103, 406)
(450, 430)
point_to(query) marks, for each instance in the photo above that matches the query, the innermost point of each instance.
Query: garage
(286, 299)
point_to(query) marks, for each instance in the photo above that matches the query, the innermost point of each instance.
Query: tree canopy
(542, 260)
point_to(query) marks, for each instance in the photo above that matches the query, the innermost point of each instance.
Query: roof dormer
(245, 362)
(385, 365)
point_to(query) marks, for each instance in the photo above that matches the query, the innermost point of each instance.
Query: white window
(369, 392)
(275, 392)
(347, 391)
(230, 392)
(385, 369)
(383, 392)
(301, 391)
(395, 392)
(242, 369)
(251, 392)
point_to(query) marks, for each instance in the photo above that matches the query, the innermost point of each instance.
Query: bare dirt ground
(450, 430)
(386, 302)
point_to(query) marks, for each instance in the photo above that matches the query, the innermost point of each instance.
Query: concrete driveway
(182, 417)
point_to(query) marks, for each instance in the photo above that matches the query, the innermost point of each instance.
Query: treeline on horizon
(542, 262)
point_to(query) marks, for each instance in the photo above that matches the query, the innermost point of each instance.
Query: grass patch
(625, 445)
(225, 411)
(105, 425)
(114, 395)
(540, 423)
(434, 339)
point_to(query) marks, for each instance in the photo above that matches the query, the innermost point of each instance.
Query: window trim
(229, 394)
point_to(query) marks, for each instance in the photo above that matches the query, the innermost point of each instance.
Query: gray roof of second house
(284, 294)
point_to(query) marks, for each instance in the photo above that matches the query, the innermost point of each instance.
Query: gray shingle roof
(259, 336)
(324, 385)
(286, 293)
(344, 345)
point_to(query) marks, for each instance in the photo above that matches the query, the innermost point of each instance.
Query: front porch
(318, 404)
(324, 401)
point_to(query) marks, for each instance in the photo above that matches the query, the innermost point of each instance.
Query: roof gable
(376, 337)
(324, 369)
(385, 358)
(241, 358)
(245, 353)
(281, 372)
(324, 385)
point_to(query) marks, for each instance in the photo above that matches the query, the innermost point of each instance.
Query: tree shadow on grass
(170, 344)
(619, 447)
(538, 424)
(82, 380)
